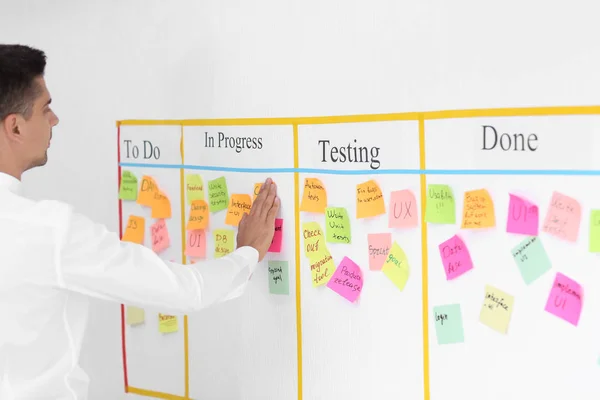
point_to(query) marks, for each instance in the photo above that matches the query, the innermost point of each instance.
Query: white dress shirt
(52, 260)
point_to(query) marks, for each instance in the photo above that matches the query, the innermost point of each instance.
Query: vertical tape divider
(298, 285)
(424, 261)
(184, 261)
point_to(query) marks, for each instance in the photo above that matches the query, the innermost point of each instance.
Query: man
(52, 259)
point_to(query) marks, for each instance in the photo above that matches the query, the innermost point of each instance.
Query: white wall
(111, 60)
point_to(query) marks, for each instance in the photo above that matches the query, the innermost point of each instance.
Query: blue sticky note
(448, 324)
(531, 258)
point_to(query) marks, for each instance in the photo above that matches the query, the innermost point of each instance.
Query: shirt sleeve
(93, 261)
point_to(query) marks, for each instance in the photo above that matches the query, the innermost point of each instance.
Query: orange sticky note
(403, 211)
(257, 187)
(195, 245)
(478, 210)
(148, 187)
(563, 217)
(134, 232)
(238, 205)
(369, 200)
(160, 236)
(199, 215)
(161, 207)
(314, 198)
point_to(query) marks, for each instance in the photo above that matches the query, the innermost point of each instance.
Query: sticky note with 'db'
(195, 245)
(403, 210)
(369, 200)
(563, 217)
(314, 198)
(129, 186)
(497, 309)
(337, 225)
(279, 277)
(161, 207)
(448, 324)
(160, 236)
(455, 257)
(224, 240)
(478, 210)
(396, 267)
(218, 195)
(199, 215)
(148, 187)
(347, 280)
(379, 248)
(565, 299)
(167, 323)
(194, 188)
(135, 230)
(238, 206)
(523, 216)
(440, 206)
(531, 258)
(277, 237)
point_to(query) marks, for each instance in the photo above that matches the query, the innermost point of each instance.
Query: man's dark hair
(19, 66)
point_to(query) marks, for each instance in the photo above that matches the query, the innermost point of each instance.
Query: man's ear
(12, 129)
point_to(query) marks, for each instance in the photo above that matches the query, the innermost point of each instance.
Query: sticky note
(347, 280)
(257, 187)
(369, 200)
(279, 277)
(223, 239)
(135, 230)
(238, 206)
(531, 259)
(194, 188)
(277, 237)
(167, 323)
(478, 210)
(199, 216)
(148, 187)
(448, 324)
(497, 309)
(161, 207)
(337, 225)
(195, 244)
(565, 299)
(523, 216)
(563, 217)
(440, 207)
(594, 244)
(403, 211)
(379, 248)
(160, 236)
(218, 196)
(129, 186)
(455, 257)
(314, 240)
(135, 315)
(322, 267)
(396, 267)
(314, 198)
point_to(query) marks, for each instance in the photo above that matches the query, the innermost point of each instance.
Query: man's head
(26, 119)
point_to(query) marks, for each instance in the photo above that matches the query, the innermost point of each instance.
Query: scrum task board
(427, 255)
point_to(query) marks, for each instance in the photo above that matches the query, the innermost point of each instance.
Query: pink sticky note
(403, 210)
(195, 245)
(455, 257)
(563, 217)
(523, 216)
(565, 299)
(379, 248)
(347, 280)
(277, 237)
(160, 236)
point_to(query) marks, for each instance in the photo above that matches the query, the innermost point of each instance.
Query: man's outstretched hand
(257, 228)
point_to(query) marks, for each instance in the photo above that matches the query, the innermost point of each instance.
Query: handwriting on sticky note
(239, 205)
(314, 198)
(396, 267)
(129, 186)
(565, 299)
(160, 236)
(440, 207)
(218, 195)
(594, 244)
(167, 323)
(279, 282)
(224, 241)
(148, 187)
(563, 217)
(135, 315)
(448, 324)
(403, 211)
(135, 230)
(322, 267)
(337, 225)
(455, 257)
(257, 187)
(379, 248)
(369, 200)
(161, 207)
(478, 210)
(199, 215)
(497, 309)
(277, 237)
(195, 245)
(347, 280)
(314, 240)
(523, 216)
(531, 258)
(194, 187)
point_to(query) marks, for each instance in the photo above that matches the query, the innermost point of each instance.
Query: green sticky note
(218, 198)
(440, 207)
(595, 231)
(448, 324)
(337, 225)
(531, 258)
(194, 188)
(129, 186)
(279, 282)
(224, 240)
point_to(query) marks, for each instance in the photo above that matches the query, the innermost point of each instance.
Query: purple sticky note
(523, 216)
(277, 237)
(565, 299)
(347, 280)
(455, 257)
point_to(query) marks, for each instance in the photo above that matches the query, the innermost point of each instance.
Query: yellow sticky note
(148, 187)
(167, 323)
(135, 315)
(478, 210)
(369, 200)
(161, 207)
(257, 187)
(314, 240)
(134, 232)
(322, 267)
(396, 266)
(239, 204)
(314, 198)
(223, 239)
(194, 188)
(497, 309)
(199, 216)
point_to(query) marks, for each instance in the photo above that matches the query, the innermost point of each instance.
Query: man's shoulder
(42, 212)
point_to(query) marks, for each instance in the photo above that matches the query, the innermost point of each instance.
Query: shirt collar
(10, 183)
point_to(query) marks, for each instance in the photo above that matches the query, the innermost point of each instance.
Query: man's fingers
(272, 214)
(260, 198)
(268, 203)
